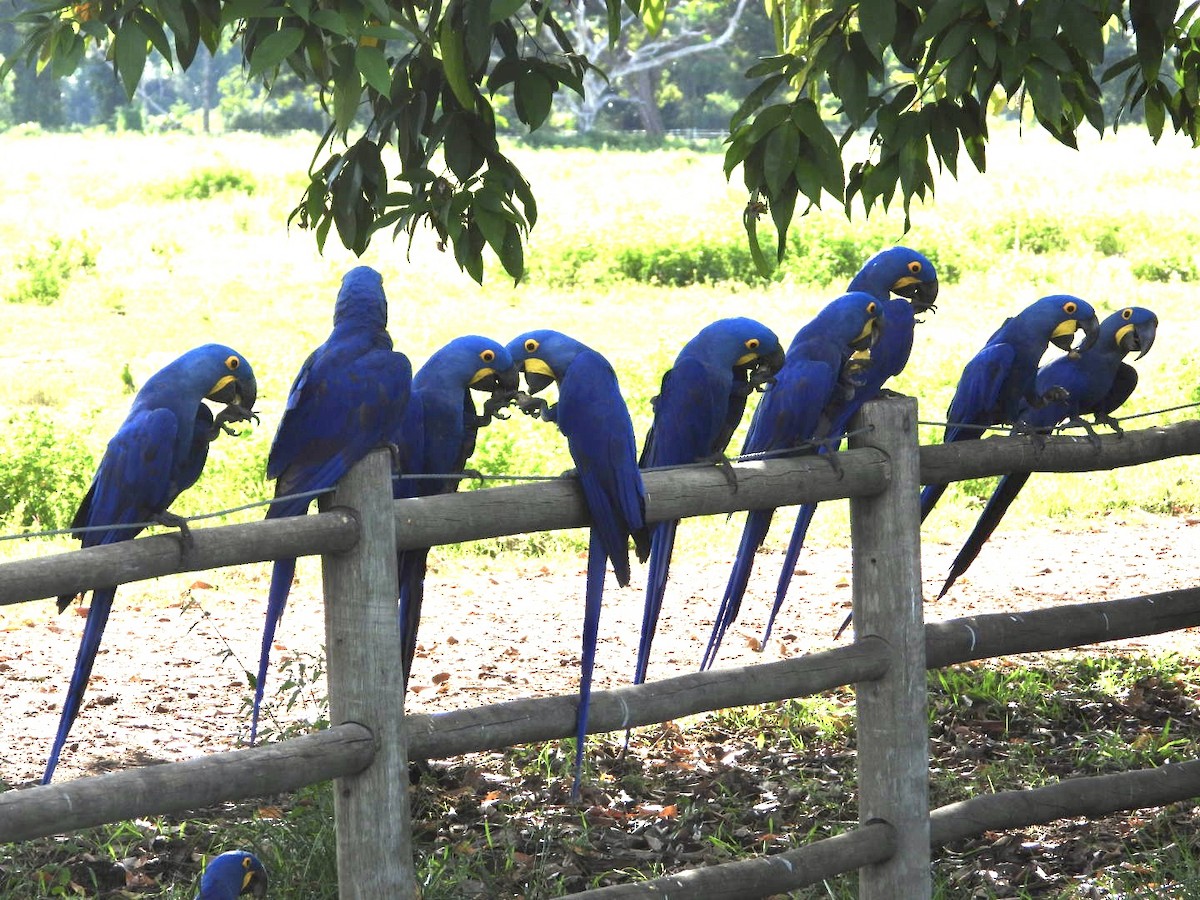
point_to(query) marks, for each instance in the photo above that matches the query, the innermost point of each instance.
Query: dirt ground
(169, 681)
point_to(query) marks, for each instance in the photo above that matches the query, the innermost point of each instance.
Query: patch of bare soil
(169, 681)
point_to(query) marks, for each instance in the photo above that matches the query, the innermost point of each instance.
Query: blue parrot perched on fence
(593, 417)
(897, 270)
(348, 399)
(438, 437)
(698, 407)
(1093, 382)
(1000, 378)
(233, 874)
(158, 452)
(793, 412)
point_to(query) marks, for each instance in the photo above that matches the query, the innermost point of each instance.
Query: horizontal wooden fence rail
(440, 735)
(764, 876)
(193, 784)
(943, 463)
(544, 506)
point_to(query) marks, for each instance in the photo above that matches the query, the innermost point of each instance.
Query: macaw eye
(531, 346)
(487, 355)
(1127, 313)
(871, 307)
(915, 266)
(232, 363)
(1069, 308)
(752, 344)
(246, 862)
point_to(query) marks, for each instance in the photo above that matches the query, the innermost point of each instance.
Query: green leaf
(512, 253)
(374, 68)
(783, 206)
(454, 61)
(877, 21)
(755, 99)
(154, 31)
(504, 9)
(654, 14)
(780, 151)
(333, 22)
(347, 89)
(1155, 114)
(532, 96)
(938, 18)
(462, 155)
(130, 51)
(822, 146)
(274, 49)
(1045, 91)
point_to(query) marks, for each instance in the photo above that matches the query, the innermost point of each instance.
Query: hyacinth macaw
(438, 437)
(592, 415)
(348, 399)
(1001, 377)
(1095, 382)
(794, 411)
(897, 270)
(158, 452)
(233, 874)
(698, 407)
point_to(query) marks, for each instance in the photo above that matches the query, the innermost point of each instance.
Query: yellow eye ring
(1069, 308)
(232, 363)
(752, 344)
(531, 346)
(1127, 313)
(914, 266)
(487, 355)
(871, 307)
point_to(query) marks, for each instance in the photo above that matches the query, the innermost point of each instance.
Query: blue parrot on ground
(348, 399)
(233, 874)
(698, 407)
(158, 452)
(1000, 378)
(897, 270)
(593, 417)
(1095, 382)
(794, 411)
(438, 437)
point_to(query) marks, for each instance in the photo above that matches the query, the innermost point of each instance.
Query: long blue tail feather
(411, 568)
(93, 630)
(758, 523)
(597, 564)
(803, 520)
(1002, 497)
(281, 585)
(930, 495)
(662, 543)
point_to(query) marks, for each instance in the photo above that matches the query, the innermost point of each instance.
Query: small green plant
(46, 271)
(208, 183)
(45, 472)
(1170, 267)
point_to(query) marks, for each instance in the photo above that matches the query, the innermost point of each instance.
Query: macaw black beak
(921, 294)
(230, 391)
(493, 381)
(1064, 335)
(1138, 337)
(765, 367)
(538, 375)
(256, 886)
(508, 379)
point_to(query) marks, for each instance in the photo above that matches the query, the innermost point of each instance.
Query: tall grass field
(117, 253)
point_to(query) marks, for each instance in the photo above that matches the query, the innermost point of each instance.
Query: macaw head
(210, 372)
(899, 270)
(543, 356)
(1132, 329)
(743, 345)
(234, 384)
(853, 320)
(1061, 315)
(235, 873)
(474, 362)
(361, 300)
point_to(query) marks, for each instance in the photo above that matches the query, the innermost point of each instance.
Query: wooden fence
(366, 750)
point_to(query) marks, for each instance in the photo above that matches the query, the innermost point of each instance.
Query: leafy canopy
(420, 78)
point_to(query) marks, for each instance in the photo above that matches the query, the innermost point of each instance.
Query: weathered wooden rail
(367, 747)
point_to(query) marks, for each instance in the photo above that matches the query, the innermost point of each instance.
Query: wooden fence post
(893, 726)
(366, 685)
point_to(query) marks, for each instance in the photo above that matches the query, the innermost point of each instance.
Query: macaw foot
(834, 463)
(569, 473)
(469, 474)
(231, 413)
(532, 406)
(171, 520)
(721, 461)
(494, 406)
(1114, 424)
(1056, 394)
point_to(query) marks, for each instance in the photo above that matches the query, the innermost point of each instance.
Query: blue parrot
(699, 405)
(348, 399)
(593, 417)
(233, 874)
(793, 411)
(1093, 382)
(158, 452)
(1001, 377)
(438, 437)
(897, 270)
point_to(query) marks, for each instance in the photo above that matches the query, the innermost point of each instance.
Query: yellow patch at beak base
(482, 374)
(1065, 328)
(533, 364)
